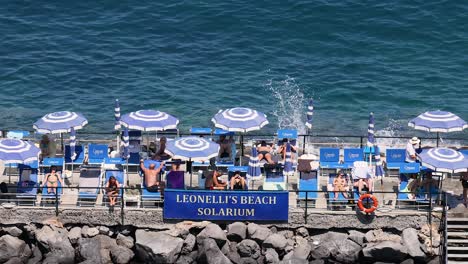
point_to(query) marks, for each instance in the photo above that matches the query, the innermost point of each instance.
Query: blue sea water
(191, 58)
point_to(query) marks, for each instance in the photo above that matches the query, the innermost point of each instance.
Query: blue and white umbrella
(370, 131)
(192, 148)
(149, 120)
(18, 151)
(444, 160)
(126, 144)
(60, 122)
(240, 119)
(438, 121)
(288, 164)
(254, 166)
(310, 113)
(117, 115)
(72, 144)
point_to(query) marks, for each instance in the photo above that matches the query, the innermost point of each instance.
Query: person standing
(411, 150)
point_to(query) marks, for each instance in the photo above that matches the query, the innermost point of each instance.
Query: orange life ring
(372, 208)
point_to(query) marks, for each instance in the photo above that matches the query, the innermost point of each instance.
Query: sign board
(226, 205)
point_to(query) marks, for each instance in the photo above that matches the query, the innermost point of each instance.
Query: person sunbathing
(52, 179)
(212, 182)
(112, 190)
(151, 177)
(237, 181)
(340, 185)
(224, 146)
(282, 149)
(161, 153)
(264, 152)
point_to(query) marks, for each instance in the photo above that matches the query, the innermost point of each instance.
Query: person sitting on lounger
(264, 152)
(340, 185)
(464, 181)
(282, 149)
(52, 179)
(224, 146)
(411, 155)
(151, 177)
(237, 181)
(112, 190)
(161, 154)
(212, 182)
(428, 182)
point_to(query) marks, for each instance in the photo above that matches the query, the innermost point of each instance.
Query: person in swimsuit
(264, 152)
(237, 181)
(212, 182)
(161, 154)
(464, 180)
(112, 190)
(282, 149)
(340, 185)
(52, 179)
(151, 177)
(224, 146)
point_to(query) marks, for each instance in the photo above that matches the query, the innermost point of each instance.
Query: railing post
(430, 216)
(360, 144)
(122, 203)
(56, 201)
(306, 205)
(303, 143)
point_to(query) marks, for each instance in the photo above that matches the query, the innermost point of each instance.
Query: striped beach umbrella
(149, 120)
(192, 148)
(288, 164)
(444, 160)
(72, 144)
(438, 121)
(60, 122)
(370, 131)
(117, 115)
(310, 113)
(18, 151)
(254, 166)
(126, 144)
(240, 119)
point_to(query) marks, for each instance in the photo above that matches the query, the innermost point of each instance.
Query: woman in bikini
(264, 152)
(112, 190)
(52, 179)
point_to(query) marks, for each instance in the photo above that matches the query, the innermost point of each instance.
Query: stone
(288, 256)
(345, 251)
(36, 255)
(273, 229)
(87, 231)
(407, 261)
(214, 232)
(258, 233)
(103, 230)
(386, 251)
(302, 251)
(13, 231)
(236, 231)
(189, 244)
(411, 243)
(271, 256)
(226, 248)
(157, 247)
(275, 241)
(248, 248)
(121, 255)
(55, 241)
(233, 254)
(74, 234)
(323, 244)
(31, 231)
(378, 235)
(317, 261)
(183, 259)
(13, 247)
(210, 253)
(247, 260)
(14, 260)
(358, 237)
(289, 245)
(288, 234)
(294, 261)
(103, 249)
(302, 231)
(178, 231)
(125, 241)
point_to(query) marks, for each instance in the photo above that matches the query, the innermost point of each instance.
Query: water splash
(290, 103)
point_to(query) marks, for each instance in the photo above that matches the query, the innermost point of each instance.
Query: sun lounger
(226, 162)
(395, 158)
(175, 180)
(148, 198)
(405, 170)
(200, 131)
(243, 173)
(50, 198)
(308, 181)
(351, 155)
(97, 153)
(274, 177)
(89, 185)
(120, 177)
(27, 183)
(79, 158)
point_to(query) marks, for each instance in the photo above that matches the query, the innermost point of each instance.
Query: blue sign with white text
(226, 205)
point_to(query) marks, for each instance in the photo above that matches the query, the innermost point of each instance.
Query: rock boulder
(157, 247)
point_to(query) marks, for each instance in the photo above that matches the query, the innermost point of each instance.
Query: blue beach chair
(274, 178)
(405, 170)
(120, 177)
(243, 173)
(79, 158)
(27, 184)
(351, 155)
(331, 194)
(308, 181)
(97, 153)
(395, 158)
(89, 185)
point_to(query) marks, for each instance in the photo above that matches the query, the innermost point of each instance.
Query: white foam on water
(290, 103)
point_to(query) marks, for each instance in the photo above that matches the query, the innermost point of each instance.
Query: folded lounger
(27, 183)
(89, 185)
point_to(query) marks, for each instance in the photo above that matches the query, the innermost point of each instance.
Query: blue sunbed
(79, 158)
(120, 177)
(147, 196)
(330, 158)
(97, 153)
(28, 183)
(89, 184)
(351, 155)
(308, 181)
(395, 158)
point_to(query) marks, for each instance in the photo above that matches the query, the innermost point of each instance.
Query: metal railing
(32, 194)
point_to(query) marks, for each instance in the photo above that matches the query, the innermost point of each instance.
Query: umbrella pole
(242, 149)
(437, 142)
(118, 141)
(9, 173)
(128, 181)
(61, 142)
(191, 169)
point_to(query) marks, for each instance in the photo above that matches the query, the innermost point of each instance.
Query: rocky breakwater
(205, 242)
